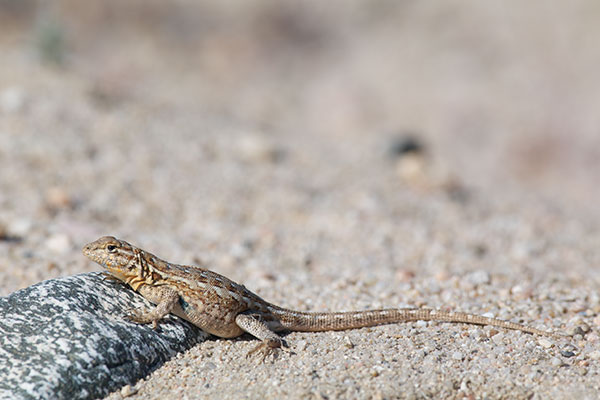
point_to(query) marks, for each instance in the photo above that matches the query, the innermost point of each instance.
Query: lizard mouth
(88, 248)
(89, 253)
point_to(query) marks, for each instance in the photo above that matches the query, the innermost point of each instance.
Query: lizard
(224, 308)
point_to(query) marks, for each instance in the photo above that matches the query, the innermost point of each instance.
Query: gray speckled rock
(68, 339)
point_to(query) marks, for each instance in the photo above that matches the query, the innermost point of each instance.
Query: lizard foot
(269, 347)
(108, 277)
(142, 319)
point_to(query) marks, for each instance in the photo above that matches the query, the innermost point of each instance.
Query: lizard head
(117, 256)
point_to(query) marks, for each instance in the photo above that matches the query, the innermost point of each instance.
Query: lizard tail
(325, 321)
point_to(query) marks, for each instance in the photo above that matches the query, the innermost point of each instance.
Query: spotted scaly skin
(226, 309)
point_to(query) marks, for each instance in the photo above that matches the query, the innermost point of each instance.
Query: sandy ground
(264, 141)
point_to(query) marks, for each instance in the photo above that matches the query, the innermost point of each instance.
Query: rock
(68, 338)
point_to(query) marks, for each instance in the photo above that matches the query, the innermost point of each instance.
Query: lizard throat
(136, 282)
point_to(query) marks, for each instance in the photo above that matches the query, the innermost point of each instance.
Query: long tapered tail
(335, 321)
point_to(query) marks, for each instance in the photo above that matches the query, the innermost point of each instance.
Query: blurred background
(194, 123)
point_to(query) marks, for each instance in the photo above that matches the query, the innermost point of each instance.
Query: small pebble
(556, 362)
(498, 338)
(7, 235)
(348, 343)
(565, 353)
(457, 355)
(573, 330)
(406, 144)
(421, 324)
(585, 328)
(545, 343)
(128, 390)
(522, 292)
(210, 365)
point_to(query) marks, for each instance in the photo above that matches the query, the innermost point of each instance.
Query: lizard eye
(111, 248)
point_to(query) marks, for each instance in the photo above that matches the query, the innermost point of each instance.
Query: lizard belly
(210, 318)
(216, 319)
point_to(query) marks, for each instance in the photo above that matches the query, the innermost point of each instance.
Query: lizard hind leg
(253, 324)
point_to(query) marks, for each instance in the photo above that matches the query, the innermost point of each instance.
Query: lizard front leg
(252, 323)
(165, 299)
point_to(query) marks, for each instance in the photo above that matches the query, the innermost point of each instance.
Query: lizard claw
(108, 277)
(269, 347)
(263, 351)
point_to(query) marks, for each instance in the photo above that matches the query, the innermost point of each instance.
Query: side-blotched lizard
(226, 309)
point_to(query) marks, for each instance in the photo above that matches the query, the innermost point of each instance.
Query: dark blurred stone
(406, 144)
